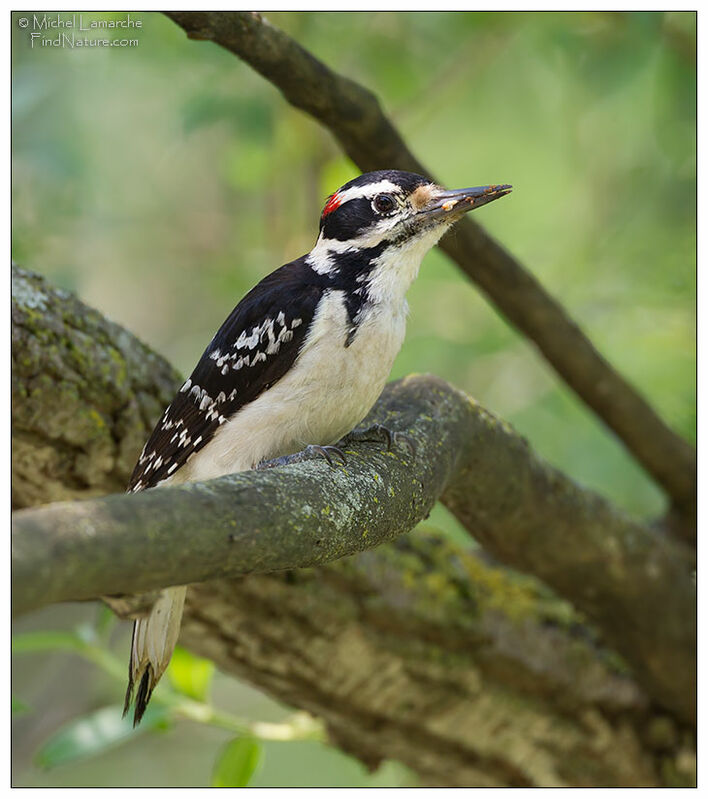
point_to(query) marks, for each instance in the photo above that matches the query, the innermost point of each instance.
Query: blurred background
(161, 181)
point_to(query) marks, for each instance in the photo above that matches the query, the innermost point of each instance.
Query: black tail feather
(129, 690)
(143, 695)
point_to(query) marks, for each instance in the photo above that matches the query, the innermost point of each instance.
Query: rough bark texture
(420, 652)
(469, 673)
(354, 117)
(85, 394)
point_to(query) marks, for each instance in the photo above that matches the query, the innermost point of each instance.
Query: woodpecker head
(397, 206)
(387, 221)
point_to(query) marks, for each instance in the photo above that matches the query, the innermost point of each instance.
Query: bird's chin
(436, 227)
(422, 226)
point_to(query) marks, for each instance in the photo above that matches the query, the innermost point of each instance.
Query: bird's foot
(375, 433)
(379, 433)
(310, 452)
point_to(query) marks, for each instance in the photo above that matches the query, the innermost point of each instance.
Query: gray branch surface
(634, 583)
(354, 117)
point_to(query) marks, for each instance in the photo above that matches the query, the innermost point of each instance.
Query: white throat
(397, 267)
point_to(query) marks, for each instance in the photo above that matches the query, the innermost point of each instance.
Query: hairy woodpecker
(299, 361)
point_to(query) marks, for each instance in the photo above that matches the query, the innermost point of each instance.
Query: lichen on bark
(85, 394)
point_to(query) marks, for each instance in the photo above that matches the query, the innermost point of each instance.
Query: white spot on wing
(248, 341)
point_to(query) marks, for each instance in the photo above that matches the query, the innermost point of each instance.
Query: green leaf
(191, 675)
(93, 734)
(237, 763)
(43, 640)
(19, 707)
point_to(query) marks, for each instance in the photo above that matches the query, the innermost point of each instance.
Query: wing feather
(256, 345)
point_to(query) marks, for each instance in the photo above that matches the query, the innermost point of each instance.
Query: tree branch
(354, 117)
(634, 583)
(419, 652)
(256, 521)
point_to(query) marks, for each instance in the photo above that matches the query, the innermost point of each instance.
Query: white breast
(327, 392)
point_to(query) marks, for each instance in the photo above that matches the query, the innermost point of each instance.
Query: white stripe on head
(369, 190)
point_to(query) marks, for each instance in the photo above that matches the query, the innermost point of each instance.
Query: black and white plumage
(252, 350)
(300, 360)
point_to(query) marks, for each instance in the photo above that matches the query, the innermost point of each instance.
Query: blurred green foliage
(191, 675)
(237, 763)
(93, 734)
(161, 182)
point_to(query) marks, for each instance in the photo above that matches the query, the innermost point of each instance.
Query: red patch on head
(333, 202)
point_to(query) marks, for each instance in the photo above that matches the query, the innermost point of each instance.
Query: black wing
(252, 350)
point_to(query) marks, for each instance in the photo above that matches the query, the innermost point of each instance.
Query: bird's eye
(384, 203)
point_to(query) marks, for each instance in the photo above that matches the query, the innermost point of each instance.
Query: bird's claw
(327, 452)
(310, 452)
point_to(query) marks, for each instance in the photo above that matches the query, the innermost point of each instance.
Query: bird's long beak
(451, 205)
